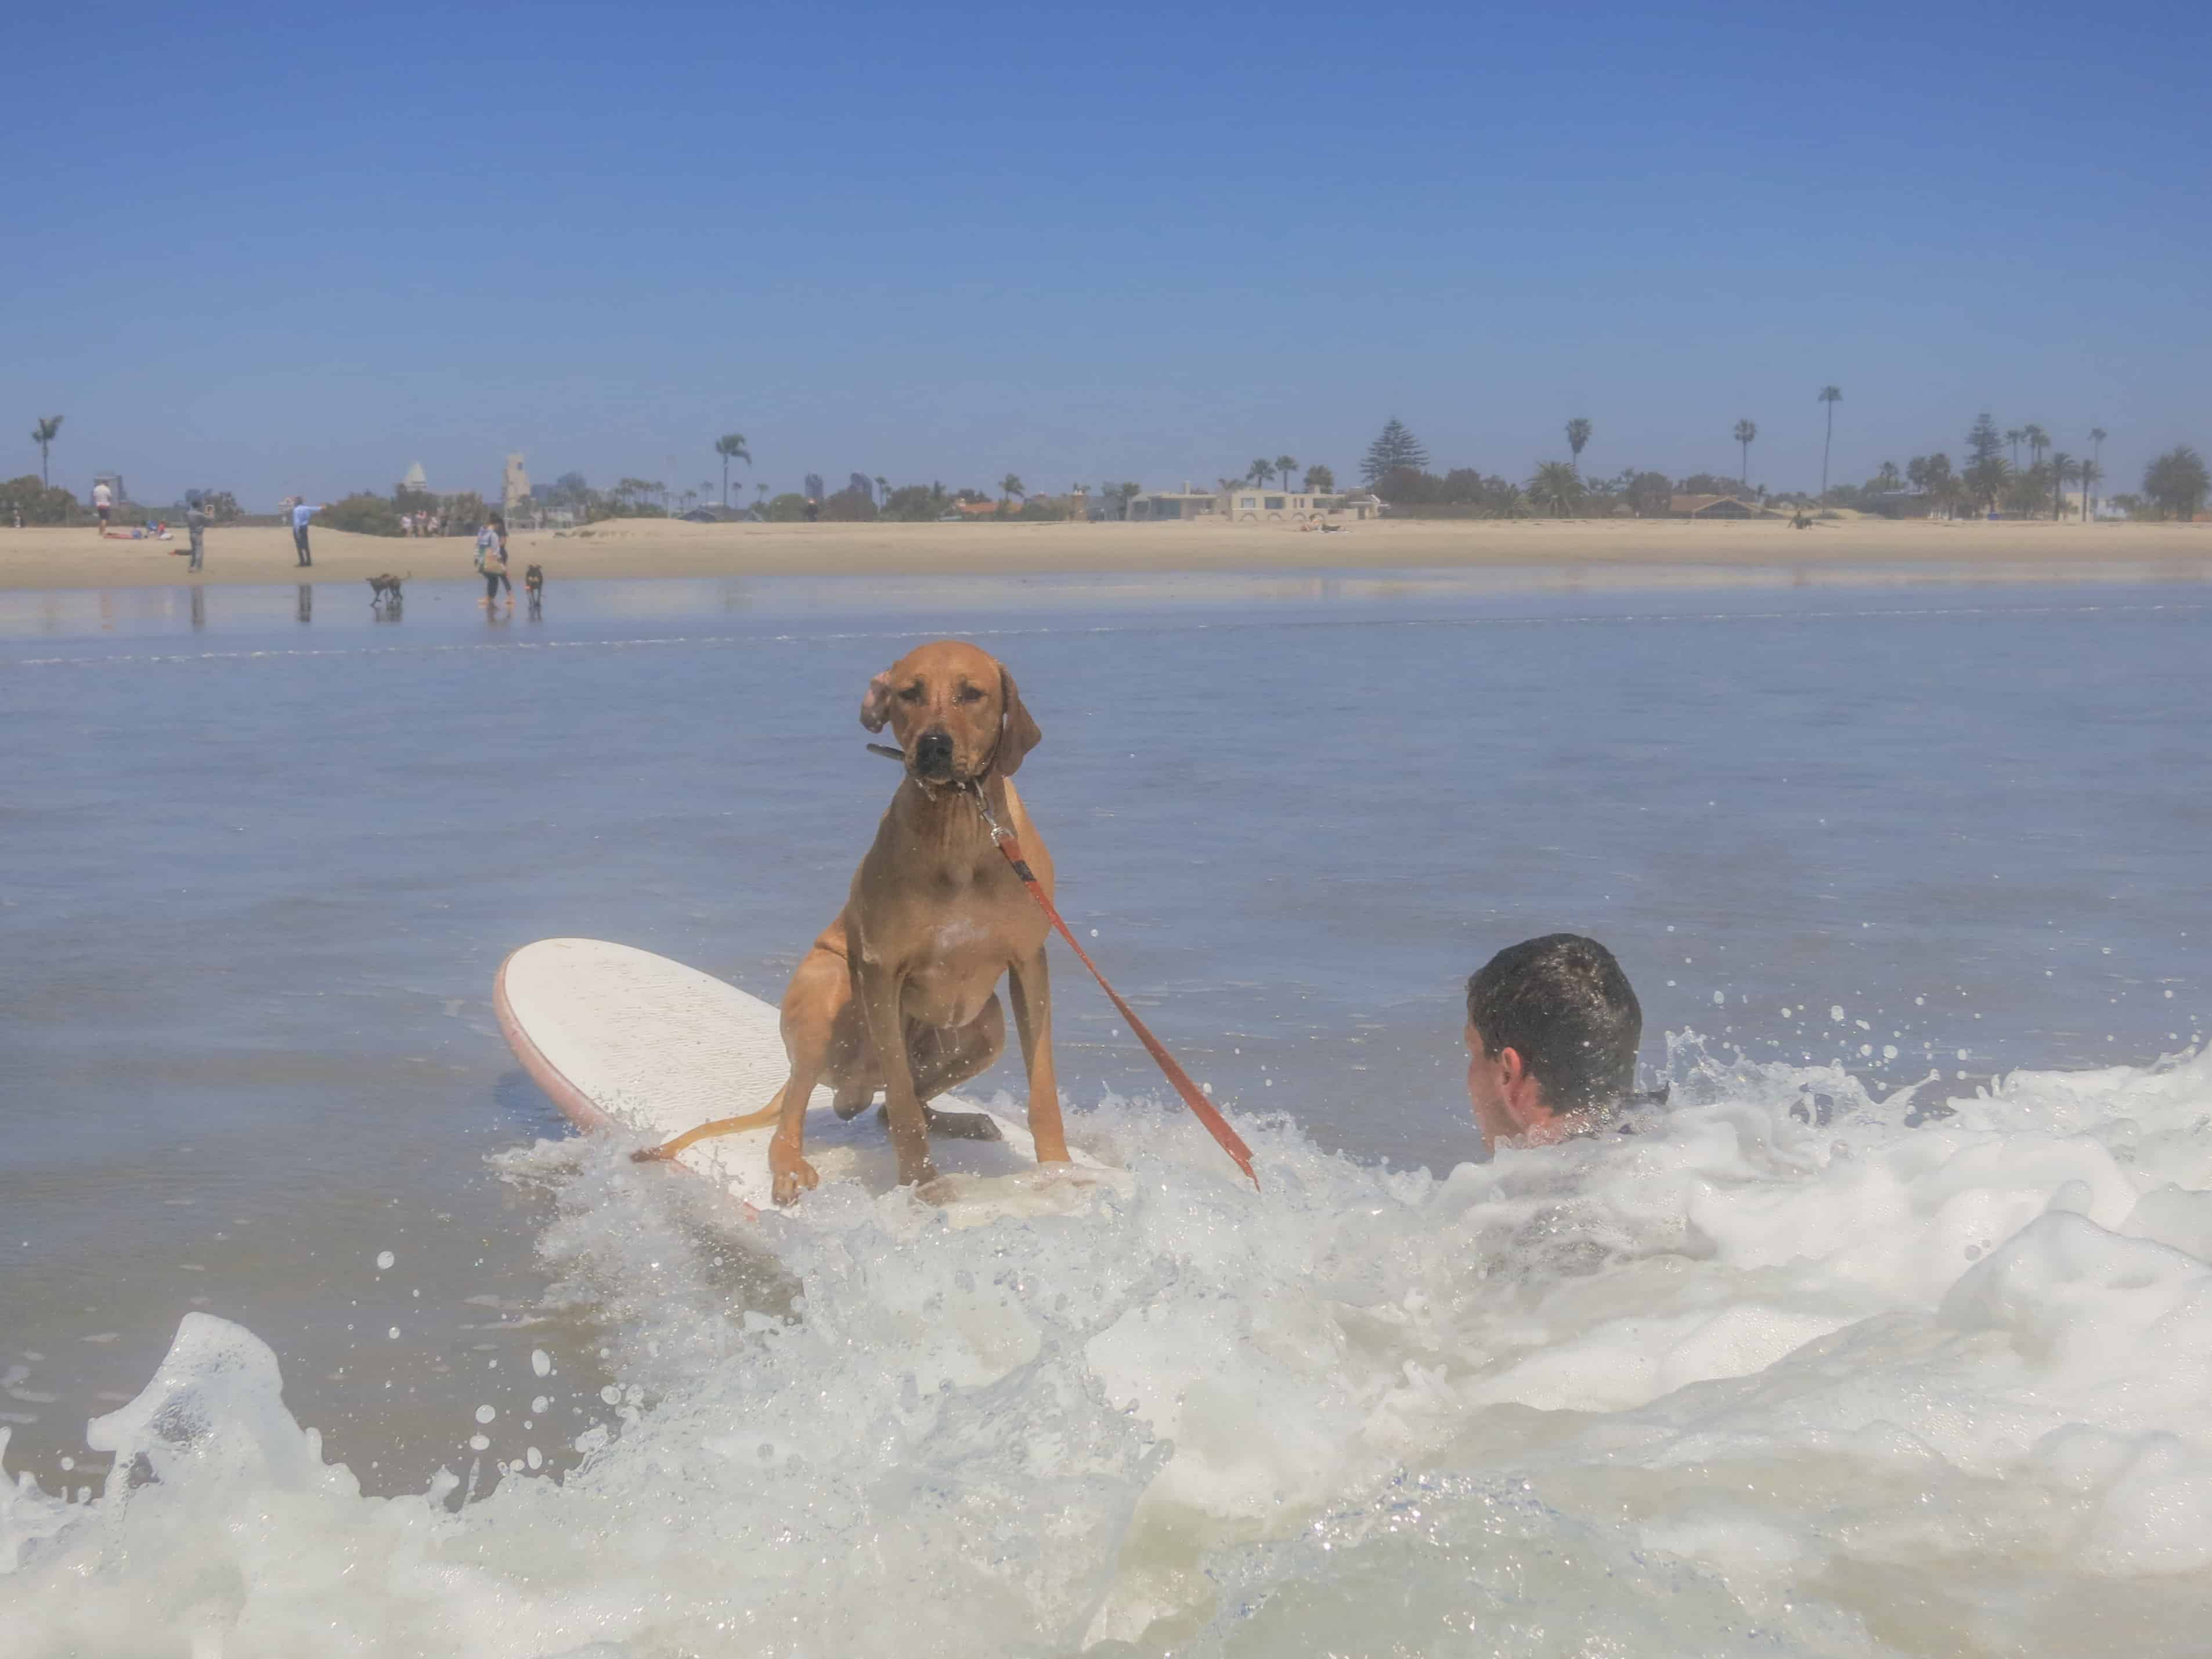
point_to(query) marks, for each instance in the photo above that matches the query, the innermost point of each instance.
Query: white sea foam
(1780, 1372)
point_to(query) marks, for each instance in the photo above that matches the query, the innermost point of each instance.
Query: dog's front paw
(794, 1173)
(650, 1155)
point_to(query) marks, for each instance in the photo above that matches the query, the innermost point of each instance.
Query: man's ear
(876, 702)
(1522, 1094)
(1017, 733)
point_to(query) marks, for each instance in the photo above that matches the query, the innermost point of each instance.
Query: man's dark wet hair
(1563, 1003)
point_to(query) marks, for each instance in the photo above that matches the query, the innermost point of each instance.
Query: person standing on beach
(491, 559)
(195, 519)
(300, 514)
(103, 503)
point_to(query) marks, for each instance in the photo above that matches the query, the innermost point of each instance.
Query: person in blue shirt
(300, 514)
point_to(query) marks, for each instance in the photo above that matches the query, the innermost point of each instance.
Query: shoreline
(1528, 553)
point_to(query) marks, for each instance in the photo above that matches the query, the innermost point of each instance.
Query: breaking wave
(1788, 1370)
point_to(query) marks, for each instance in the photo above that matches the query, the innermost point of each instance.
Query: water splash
(1789, 1368)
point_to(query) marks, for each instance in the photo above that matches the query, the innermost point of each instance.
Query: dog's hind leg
(944, 1060)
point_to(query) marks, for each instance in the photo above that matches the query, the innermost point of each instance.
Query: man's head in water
(1552, 1029)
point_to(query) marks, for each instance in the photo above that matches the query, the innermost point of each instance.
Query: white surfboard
(621, 1039)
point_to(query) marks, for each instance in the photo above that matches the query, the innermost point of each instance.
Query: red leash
(1216, 1125)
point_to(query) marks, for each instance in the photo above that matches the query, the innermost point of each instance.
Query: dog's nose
(932, 751)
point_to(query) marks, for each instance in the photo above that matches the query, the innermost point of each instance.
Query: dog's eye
(911, 694)
(970, 693)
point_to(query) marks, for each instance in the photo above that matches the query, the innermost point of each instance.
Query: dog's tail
(760, 1120)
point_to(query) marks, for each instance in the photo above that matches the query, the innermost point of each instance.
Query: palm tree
(1578, 434)
(1888, 477)
(730, 447)
(2012, 435)
(1745, 432)
(2038, 442)
(1829, 395)
(1285, 464)
(1260, 471)
(883, 489)
(2097, 436)
(1557, 486)
(1010, 486)
(2064, 470)
(1941, 485)
(43, 434)
(2176, 483)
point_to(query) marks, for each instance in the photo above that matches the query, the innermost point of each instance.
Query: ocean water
(319, 1334)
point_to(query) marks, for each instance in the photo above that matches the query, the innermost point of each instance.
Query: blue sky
(296, 248)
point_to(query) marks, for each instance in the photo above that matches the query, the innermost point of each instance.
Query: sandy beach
(1868, 550)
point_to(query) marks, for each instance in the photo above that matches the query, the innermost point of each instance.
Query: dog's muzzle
(932, 755)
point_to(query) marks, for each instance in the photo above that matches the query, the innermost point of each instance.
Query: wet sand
(1721, 553)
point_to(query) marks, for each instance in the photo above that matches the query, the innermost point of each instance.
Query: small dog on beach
(385, 587)
(533, 581)
(900, 991)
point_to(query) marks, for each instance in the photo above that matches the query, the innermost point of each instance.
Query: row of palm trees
(1579, 429)
(2027, 490)
(1988, 479)
(1993, 483)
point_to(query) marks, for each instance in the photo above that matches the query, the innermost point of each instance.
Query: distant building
(815, 492)
(863, 486)
(1900, 503)
(1250, 504)
(1156, 505)
(1257, 504)
(1714, 506)
(415, 480)
(514, 485)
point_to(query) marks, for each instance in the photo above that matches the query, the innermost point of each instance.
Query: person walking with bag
(492, 564)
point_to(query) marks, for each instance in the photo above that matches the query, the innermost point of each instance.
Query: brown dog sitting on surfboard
(909, 970)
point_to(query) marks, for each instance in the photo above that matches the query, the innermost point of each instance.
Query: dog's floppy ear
(1017, 733)
(876, 705)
